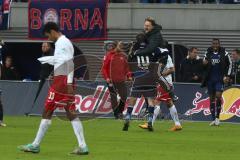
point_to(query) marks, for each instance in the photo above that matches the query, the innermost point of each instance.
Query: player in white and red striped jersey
(61, 92)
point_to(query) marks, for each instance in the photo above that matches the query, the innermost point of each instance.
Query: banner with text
(77, 19)
(93, 100)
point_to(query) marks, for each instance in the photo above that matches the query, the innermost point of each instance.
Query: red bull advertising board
(94, 98)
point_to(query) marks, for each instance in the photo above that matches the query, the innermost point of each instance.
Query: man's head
(51, 30)
(215, 44)
(149, 24)
(120, 46)
(110, 45)
(45, 47)
(8, 62)
(141, 37)
(193, 53)
(235, 55)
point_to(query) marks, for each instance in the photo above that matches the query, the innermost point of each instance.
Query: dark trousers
(41, 83)
(1, 109)
(116, 88)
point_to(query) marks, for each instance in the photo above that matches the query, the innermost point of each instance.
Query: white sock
(174, 115)
(43, 127)
(157, 110)
(78, 130)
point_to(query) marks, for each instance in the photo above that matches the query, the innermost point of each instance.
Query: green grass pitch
(106, 141)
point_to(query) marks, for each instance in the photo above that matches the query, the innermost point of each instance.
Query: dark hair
(191, 49)
(141, 37)
(216, 39)
(50, 26)
(48, 43)
(237, 51)
(151, 20)
(165, 43)
(8, 57)
(108, 43)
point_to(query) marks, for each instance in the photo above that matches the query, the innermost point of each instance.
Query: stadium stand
(188, 38)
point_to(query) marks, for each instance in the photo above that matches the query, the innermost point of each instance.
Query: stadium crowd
(166, 1)
(191, 67)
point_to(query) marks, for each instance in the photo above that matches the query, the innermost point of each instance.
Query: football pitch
(106, 141)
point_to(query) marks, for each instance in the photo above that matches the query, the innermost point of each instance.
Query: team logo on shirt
(215, 61)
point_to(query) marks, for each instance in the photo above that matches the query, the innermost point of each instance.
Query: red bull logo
(99, 103)
(200, 105)
(230, 104)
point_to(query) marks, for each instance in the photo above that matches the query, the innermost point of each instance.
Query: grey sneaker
(2, 124)
(212, 123)
(80, 151)
(29, 148)
(217, 122)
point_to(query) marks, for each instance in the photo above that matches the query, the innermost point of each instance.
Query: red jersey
(115, 67)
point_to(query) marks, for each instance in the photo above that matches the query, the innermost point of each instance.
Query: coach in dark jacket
(191, 67)
(153, 38)
(145, 84)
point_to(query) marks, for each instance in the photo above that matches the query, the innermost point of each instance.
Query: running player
(61, 92)
(164, 96)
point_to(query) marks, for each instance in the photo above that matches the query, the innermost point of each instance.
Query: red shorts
(58, 95)
(162, 95)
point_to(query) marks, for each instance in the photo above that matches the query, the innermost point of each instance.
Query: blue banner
(77, 19)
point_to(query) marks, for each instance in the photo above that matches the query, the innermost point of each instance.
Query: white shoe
(2, 124)
(212, 123)
(217, 122)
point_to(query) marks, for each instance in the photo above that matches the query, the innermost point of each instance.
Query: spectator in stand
(191, 67)
(8, 72)
(235, 56)
(46, 69)
(158, 1)
(1, 112)
(20, 0)
(119, 1)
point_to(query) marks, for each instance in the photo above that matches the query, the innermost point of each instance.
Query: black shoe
(116, 116)
(120, 116)
(115, 113)
(150, 127)
(126, 125)
(175, 98)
